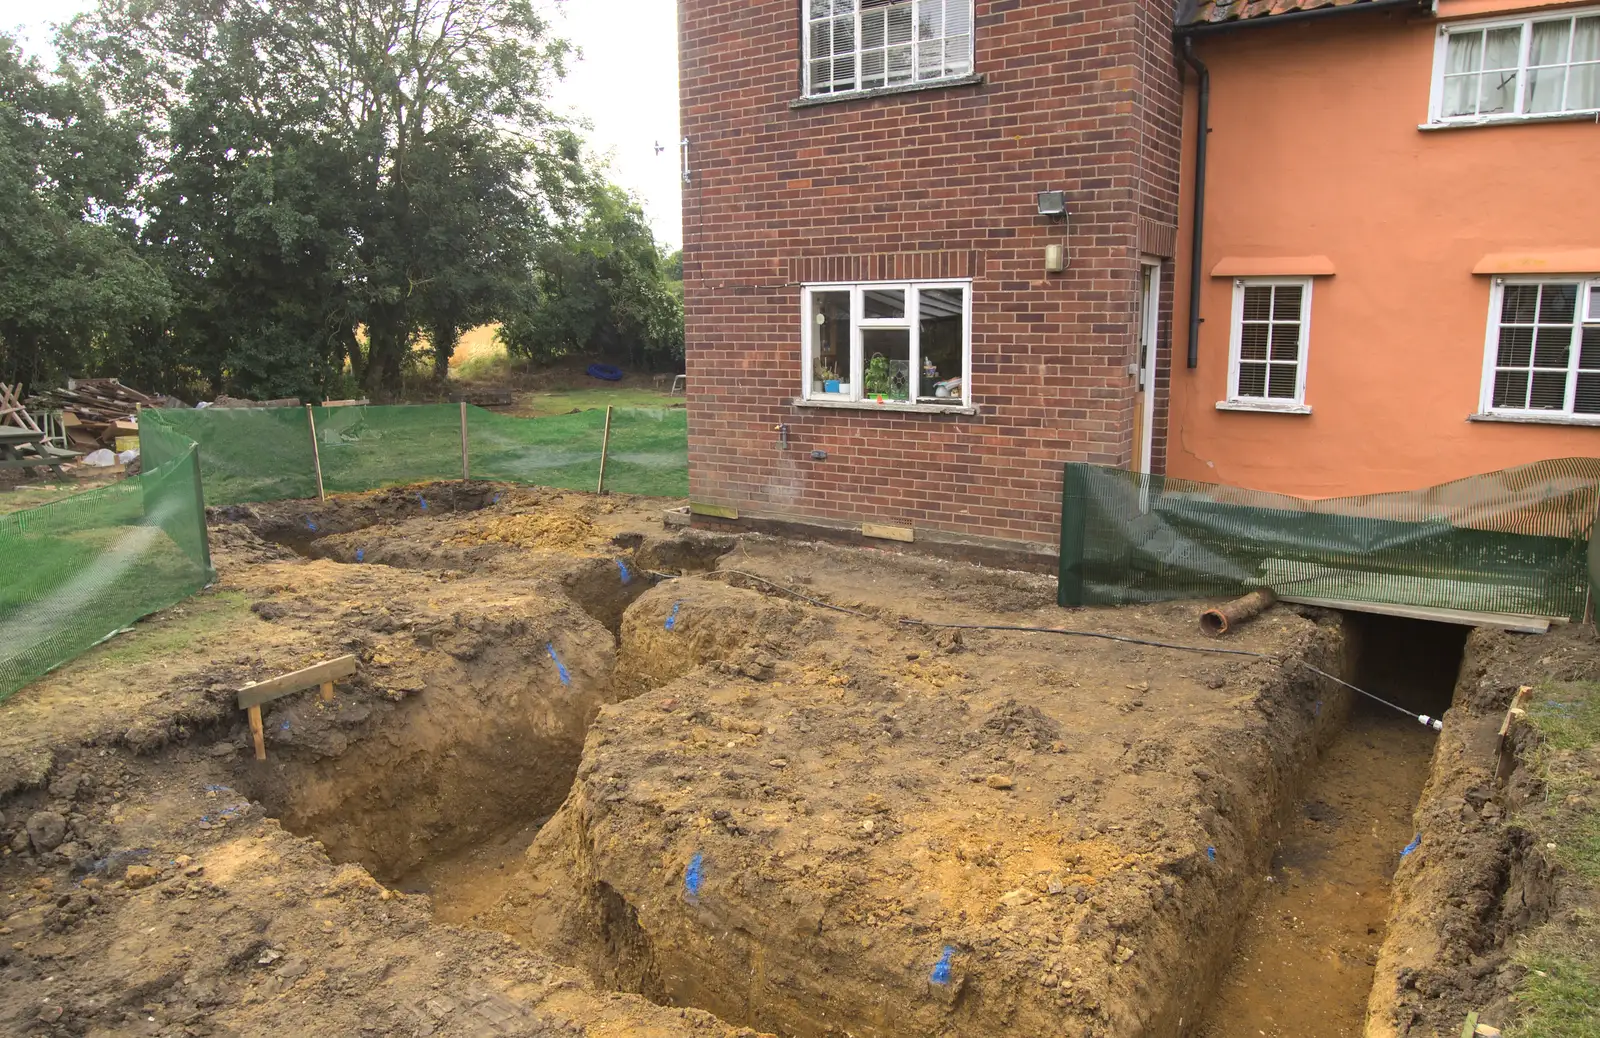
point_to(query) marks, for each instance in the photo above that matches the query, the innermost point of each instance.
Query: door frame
(1149, 354)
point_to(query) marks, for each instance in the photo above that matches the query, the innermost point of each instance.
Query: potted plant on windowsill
(886, 379)
(827, 380)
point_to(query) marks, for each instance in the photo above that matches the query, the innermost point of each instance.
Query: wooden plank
(1471, 1024)
(1504, 621)
(316, 452)
(285, 684)
(258, 732)
(466, 470)
(715, 511)
(605, 445)
(888, 533)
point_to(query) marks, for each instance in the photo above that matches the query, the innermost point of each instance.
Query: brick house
(928, 257)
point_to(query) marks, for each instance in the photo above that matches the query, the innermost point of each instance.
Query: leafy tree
(72, 289)
(334, 178)
(603, 287)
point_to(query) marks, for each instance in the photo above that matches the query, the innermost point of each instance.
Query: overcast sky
(626, 86)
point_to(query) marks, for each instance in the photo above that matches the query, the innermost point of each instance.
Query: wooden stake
(258, 732)
(316, 453)
(605, 445)
(327, 691)
(466, 472)
(1470, 1026)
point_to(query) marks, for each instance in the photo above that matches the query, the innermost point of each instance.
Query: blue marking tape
(1413, 845)
(672, 621)
(560, 667)
(941, 969)
(622, 568)
(693, 877)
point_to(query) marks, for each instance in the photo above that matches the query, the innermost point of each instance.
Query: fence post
(316, 453)
(466, 471)
(605, 445)
(1074, 512)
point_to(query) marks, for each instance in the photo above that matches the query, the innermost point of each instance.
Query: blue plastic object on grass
(941, 969)
(692, 876)
(1413, 845)
(561, 668)
(605, 372)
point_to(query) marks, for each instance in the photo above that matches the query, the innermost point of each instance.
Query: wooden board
(1504, 621)
(285, 684)
(715, 511)
(888, 533)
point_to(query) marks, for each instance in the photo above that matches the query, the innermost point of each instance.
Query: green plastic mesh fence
(74, 572)
(1514, 541)
(261, 454)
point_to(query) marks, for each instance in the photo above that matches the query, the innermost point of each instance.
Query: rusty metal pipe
(1219, 621)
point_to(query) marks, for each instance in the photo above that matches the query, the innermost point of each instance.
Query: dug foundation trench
(813, 822)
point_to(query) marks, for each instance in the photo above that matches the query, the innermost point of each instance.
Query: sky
(625, 86)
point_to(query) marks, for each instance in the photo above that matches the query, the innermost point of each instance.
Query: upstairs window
(1511, 69)
(853, 45)
(1544, 350)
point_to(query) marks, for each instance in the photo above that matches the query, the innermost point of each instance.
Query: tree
(72, 289)
(602, 287)
(334, 178)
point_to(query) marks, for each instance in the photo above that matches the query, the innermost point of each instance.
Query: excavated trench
(448, 794)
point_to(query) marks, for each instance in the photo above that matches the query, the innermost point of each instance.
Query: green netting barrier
(76, 571)
(263, 454)
(1514, 541)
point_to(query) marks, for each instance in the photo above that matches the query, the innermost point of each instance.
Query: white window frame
(858, 322)
(1436, 115)
(1235, 402)
(914, 83)
(1587, 312)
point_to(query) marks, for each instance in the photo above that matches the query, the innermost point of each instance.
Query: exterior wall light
(1053, 204)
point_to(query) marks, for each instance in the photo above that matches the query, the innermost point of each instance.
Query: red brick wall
(1078, 96)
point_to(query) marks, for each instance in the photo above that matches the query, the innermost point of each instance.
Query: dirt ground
(598, 776)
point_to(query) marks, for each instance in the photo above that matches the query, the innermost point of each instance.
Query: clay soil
(596, 776)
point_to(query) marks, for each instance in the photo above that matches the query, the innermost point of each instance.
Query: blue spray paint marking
(672, 621)
(423, 501)
(941, 969)
(622, 568)
(361, 555)
(692, 877)
(311, 525)
(1413, 845)
(560, 667)
(1211, 853)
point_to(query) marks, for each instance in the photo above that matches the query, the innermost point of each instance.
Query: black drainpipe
(1198, 219)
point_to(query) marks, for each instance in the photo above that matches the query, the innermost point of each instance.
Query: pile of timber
(95, 411)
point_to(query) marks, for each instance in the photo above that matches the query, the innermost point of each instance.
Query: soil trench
(1304, 962)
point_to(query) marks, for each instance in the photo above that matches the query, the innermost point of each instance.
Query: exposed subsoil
(673, 785)
(1304, 964)
(1477, 881)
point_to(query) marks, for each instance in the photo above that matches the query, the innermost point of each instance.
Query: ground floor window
(1543, 356)
(1270, 331)
(891, 342)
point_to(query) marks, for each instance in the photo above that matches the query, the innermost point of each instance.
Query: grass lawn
(16, 499)
(481, 361)
(1561, 993)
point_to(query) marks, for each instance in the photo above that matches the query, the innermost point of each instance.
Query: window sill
(1512, 120)
(1536, 419)
(1263, 408)
(869, 405)
(813, 100)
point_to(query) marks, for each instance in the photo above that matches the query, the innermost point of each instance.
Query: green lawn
(1561, 993)
(618, 394)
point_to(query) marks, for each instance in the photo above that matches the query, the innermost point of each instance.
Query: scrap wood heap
(95, 411)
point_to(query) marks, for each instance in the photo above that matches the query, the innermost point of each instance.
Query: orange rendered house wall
(1316, 152)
